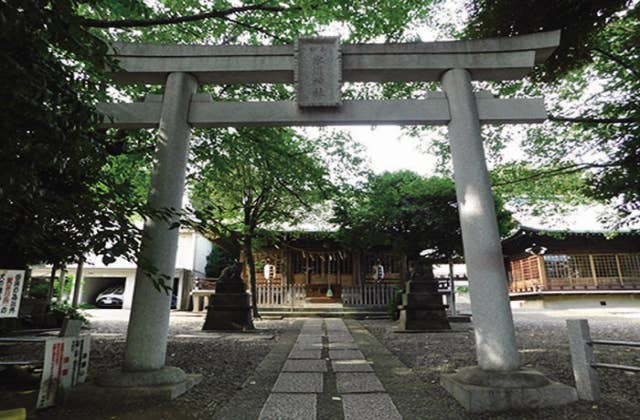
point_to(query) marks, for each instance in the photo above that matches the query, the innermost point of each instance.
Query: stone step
(321, 308)
(326, 314)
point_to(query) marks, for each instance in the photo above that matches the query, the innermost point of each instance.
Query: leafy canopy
(591, 145)
(406, 212)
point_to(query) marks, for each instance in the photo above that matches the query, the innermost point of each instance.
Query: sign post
(11, 283)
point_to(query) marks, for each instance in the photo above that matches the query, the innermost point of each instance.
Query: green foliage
(406, 212)
(579, 20)
(68, 285)
(394, 302)
(591, 148)
(248, 179)
(462, 289)
(67, 311)
(217, 260)
(39, 290)
(58, 203)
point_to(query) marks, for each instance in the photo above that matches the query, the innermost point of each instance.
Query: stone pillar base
(478, 390)
(118, 387)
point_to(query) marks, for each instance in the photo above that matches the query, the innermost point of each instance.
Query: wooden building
(586, 268)
(319, 263)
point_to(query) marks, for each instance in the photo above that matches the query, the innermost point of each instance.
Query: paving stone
(305, 354)
(348, 383)
(345, 354)
(298, 383)
(305, 366)
(343, 346)
(351, 366)
(307, 346)
(343, 338)
(309, 339)
(369, 406)
(307, 334)
(289, 407)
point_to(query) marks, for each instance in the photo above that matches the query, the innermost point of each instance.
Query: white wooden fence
(285, 295)
(368, 295)
(291, 295)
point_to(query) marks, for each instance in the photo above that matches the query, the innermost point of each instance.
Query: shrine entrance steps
(325, 310)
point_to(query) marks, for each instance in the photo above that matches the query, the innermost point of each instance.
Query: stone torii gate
(318, 67)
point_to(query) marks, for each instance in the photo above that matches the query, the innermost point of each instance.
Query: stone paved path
(324, 364)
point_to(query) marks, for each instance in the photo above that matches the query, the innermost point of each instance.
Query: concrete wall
(201, 252)
(580, 301)
(186, 250)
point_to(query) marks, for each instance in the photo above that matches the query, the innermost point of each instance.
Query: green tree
(57, 202)
(63, 187)
(217, 260)
(592, 141)
(248, 179)
(408, 213)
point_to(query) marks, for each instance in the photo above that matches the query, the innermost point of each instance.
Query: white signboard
(66, 363)
(11, 282)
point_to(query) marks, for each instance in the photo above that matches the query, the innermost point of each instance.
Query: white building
(191, 260)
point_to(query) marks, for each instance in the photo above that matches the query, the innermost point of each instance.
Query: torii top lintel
(485, 59)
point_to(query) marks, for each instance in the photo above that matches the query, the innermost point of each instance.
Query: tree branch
(131, 23)
(618, 60)
(255, 28)
(588, 120)
(569, 169)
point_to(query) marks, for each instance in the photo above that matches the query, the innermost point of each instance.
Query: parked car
(112, 297)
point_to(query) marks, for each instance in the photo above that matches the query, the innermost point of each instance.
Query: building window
(580, 267)
(630, 266)
(606, 266)
(556, 266)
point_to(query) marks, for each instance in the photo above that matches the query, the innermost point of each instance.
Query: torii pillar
(145, 350)
(497, 383)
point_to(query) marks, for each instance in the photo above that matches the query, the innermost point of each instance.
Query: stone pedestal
(122, 387)
(230, 307)
(422, 307)
(479, 390)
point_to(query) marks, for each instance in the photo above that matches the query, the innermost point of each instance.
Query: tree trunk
(248, 254)
(52, 279)
(62, 282)
(78, 282)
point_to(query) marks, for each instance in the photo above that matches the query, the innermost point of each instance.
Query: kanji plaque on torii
(318, 72)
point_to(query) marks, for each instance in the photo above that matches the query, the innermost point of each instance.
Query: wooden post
(619, 270)
(582, 359)
(452, 303)
(593, 270)
(569, 271)
(542, 272)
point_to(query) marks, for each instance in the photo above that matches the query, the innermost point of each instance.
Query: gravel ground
(225, 360)
(543, 345)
